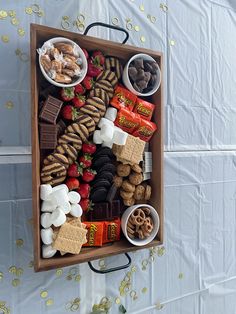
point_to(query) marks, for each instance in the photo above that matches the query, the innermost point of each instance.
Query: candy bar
(47, 236)
(111, 193)
(144, 109)
(50, 110)
(115, 209)
(145, 130)
(100, 212)
(127, 120)
(123, 98)
(61, 127)
(48, 136)
(94, 234)
(48, 251)
(111, 231)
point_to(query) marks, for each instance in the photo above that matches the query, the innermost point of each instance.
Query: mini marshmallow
(76, 210)
(119, 136)
(111, 114)
(107, 132)
(45, 191)
(107, 144)
(46, 220)
(58, 217)
(48, 206)
(59, 187)
(48, 251)
(47, 235)
(60, 197)
(97, 137)
(74, 197)
(104, 121)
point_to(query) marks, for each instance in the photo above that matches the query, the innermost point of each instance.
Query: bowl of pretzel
(140, 224)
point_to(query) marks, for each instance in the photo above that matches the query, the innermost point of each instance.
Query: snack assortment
(93, 159)
(140, 224)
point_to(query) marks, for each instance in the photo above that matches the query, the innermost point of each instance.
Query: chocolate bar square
(48, 136)
(115, 209)
(51, 109)
(100, 212)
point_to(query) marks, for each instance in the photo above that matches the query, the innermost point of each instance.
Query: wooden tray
(38, 35)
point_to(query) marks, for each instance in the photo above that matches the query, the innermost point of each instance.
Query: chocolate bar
(51, 109)
(115, 209)
(61, 126)
(104, 211)
(48, 136)
(111, 193)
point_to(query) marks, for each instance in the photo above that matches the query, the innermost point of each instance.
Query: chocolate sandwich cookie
(105, 175)
(100, 93)
(108, 76)
(69, 151)
(103, 151)
(107, 167)
(111, 193)
(92, 112)
(79, 129)
(106, 86)
(71, 138)
(113, 64)
(98, 195)
(98, 103)
(99, 162)
(53, 173)
(101, 183)
(87, 121)
(55, 157)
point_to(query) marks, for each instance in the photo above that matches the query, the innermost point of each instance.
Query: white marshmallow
(58, 217)
(59, 187)
(74, 197)
(48, 206)
(107, 144)
(111, 114)
(47, 235)
(107, 132)
(60, 197)
(76, 210)
(66, 207)
(48, 251)
(119, 136)
(45, 191)
(104, 121)
(97, 137)
(46, 220)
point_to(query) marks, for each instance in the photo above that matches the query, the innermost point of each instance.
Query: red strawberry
(85, 53)
(67, 93)
(69, 112)
(79, 101)
(86, 204)
(85, 160)
(89, 148)
(94, 67)
(88, 82)
(88, 175)
(84, 190)
(99, 56)
(79, 89)
(72, 183)
(75, 170)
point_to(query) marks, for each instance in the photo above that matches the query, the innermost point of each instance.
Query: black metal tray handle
(108, 26)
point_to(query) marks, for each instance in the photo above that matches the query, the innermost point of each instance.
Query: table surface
(195, 270)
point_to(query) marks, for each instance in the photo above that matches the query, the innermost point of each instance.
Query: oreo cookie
(98, 195)
(105, 175)
(107, 167)
(105, 151)
(99, 162)
(101, 183)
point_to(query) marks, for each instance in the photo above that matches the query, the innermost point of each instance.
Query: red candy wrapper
(123, 98)
(144, 109)
(111, 231)
(127, 120)
(145, 130)
(95, 233)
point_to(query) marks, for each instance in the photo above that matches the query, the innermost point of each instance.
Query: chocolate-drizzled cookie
(106, 86)
(92, 112)
(87, 121)
(79, 129)
(55, 157)
(108, 76)
(113, 64)
(98, 103)
(71, 138)
(53, 173)
(100, 93)
(69, 151)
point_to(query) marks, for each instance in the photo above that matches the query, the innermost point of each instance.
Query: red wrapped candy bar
(144, 109)
(94, 234)
(145, 130)
(123, 98)
(127, 120)
(111, 231)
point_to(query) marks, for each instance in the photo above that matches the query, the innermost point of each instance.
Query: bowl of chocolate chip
(140, 224)
(62, 62)
(142, 75)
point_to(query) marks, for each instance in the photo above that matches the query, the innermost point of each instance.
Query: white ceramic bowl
(127, 82)
(156, 222)
(84, 65)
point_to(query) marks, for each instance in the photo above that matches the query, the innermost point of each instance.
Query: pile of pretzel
(140, 223)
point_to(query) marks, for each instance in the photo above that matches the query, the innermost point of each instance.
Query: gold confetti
(65, 18)
(15, 21)
(115, 21)
(136, 28)
(19, 242)
(159, 306)
(21, 32)
(133, 269)
(3, 308)
(129, 26)
(73, 271)
(80, 26)
(144, 290)
(25, 58)
(153, 19)
(35, 8)
(19, 272)
(1, 276)
(12, 269)
(49, 302)
(69, 277)
(12, 13)
(15, 282)
(40, 13)
(9, 105)
(65, 24)
(161, 251)
(141, 7)
(3, 14)
(133, 295)
(128, 20)
(181, 276)
(144, 264)
(117, 300)
(172, 42)
(102, 264)
(31, 264)
(81, 18)
(5, 38)
(73, 305)
(164, 7)
(28, 10)
(44, 294)
(59, 272)
(143, 39)
(77, 278)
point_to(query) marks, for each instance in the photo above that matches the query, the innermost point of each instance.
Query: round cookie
(100, 93)
(117, 181)
(100, 183)
(92, 112)
(148, 192)
(69, 151)
(136, 168)
(126, 195)
(108, 167)
(105, 175)
(129, 202)
(103, 151)
(106, 86)
(113, 64)
(139, 192)
(135, 178)
(98, 195)
(99, 162)
(98, 103)
(53, 173)
(79, 129)
(55, 157)
(127, 186)
(123, 170)
(108, 76)
(71, 138)
(87, 121)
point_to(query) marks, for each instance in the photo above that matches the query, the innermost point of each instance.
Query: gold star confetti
(44, 294)
(142, 39)
(19, 272)
(15, 21)
(144, 290)
(12, 13)
(28, 10)
(12, 269)
(3, 14)
(159, 306)
(181, 276)
(117, 300)
(19, 242)
(21, 32)
(49, 302)
(136, 28)
(141, 7)
(161, 251)
(172, 42)
(59, 272)
(31, 264)
(15, 282)
(1, 276)
(115, 21)
(163, 7)
(77, 278)
(5, 38)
